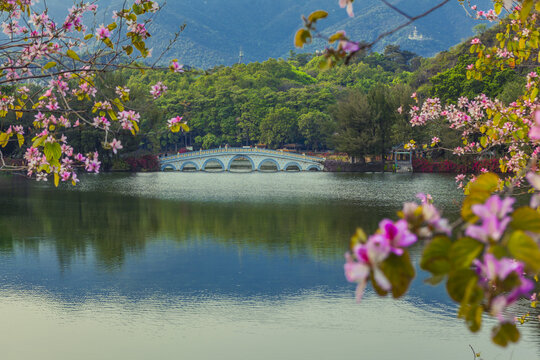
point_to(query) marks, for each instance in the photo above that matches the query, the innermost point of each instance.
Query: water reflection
(249, 261)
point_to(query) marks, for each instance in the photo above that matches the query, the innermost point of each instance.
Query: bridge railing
(237, 150)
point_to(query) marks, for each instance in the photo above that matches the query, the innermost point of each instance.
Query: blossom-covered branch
(64, 60)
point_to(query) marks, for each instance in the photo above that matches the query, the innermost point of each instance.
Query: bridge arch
(203, 168)
(189, 163)
(266, 161)
(313, 168)
(168, 167)
(292, 163)
(253, 168)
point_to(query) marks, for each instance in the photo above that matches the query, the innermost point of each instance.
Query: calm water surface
(206, 266)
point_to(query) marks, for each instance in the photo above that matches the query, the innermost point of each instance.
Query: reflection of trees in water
(111, 225)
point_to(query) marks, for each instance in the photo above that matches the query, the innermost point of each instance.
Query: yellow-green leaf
(526, 8)
(72, 54)
(49, 65)
(56, 179)
(525, 249)
(486, 182)
(302, 37)
(463, 252)
(435, 256)
(4, 138)
(400, 272)
(317, 15)
(526, 219)
(505, 333)
(457, 283)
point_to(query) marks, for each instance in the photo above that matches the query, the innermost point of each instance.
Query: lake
(217, 265)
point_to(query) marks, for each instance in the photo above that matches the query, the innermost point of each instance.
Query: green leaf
(56, 179)
(128, 49)
(21, 139)
(139, 45)
(483, 141)
(534, 94)
(457, 283)
(37, 141)
(88, 37)
(317, 15)
(52, 151)
(112, 26)
(49, 65)
(525, 249)
(526, 219)
(463, 252)
(400, 272)
(478, 192)
(72, 54)
(137, 9)
(505, 333)
(478, 197)
(498, 251)
(473, 318)
(118, 104)
(435, 256)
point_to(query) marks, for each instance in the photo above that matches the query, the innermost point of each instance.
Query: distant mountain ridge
(218, 29)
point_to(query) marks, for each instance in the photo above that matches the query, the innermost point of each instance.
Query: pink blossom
(103, 33)
(176, 67)
(491, 271)
(397, 234)
(116, 145)
(534, 132)
(349, 5)
(158, 89)
(493, 215)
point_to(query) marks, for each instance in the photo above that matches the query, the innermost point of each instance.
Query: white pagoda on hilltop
(417, 36)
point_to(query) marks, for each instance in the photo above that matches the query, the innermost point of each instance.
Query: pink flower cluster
(128, 118)
(176, 67)
(391, 238)
(174, 121)
(493, 217)
(492, 273)
(158, 89)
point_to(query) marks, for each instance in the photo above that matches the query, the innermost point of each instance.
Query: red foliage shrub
(448, 166)
(143, 163)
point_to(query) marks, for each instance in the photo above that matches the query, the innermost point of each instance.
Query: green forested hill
(293, 101)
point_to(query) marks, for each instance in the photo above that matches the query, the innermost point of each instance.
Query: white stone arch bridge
(282, 160)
